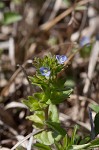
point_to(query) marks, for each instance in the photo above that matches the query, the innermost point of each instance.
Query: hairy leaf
(56, 126)
(45, 138)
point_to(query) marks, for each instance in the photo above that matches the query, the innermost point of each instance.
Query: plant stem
(46, 115)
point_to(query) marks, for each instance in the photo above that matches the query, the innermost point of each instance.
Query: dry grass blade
(47, 26)
(51, 23)
(4, 92)
(57, 6)
(44, 8)
(27, 137)
(83, 98)
(15, 105)
(4, 148)
(64, 117)
(30, 143)
(91, 67)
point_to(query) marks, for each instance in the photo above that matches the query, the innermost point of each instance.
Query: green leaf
(74, 135)
(95, 108)
(38, 117)
(35, 81)
(59, 83)
(59, 96)
(57, 137)
(94, 142)
(85, 140)
(56, 126)
(53, 113)
(65, 142)
(70, 82)
(40, 81)
(67, 2)
(20, 148)
(96, 122)
(41, 96)
(58, 146)
(85, 51)
(42, 146)
(80, 147)
(90, 145)
(11, 17)
(32, 103)
(45, 138)
(18, 2)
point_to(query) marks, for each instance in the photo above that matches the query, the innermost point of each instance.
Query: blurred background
(33, 28)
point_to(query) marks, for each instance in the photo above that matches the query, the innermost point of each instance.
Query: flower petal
(61, 59)
(84, 40)
(45, 71)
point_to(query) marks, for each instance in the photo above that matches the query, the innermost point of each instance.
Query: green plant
(95, 108)
(45, 116)
(11, 17)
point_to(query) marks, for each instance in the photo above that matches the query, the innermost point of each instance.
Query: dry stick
(44, 7)
(56, 7)
(83, 22)
(61, 44)
(10, 81)
(91, 68)
(28, 136)
(24, 73)
(83, 98)
(30, 143)
(73, 12)
(50, 24)
(26, 78)
(3, 92)
(66, 117)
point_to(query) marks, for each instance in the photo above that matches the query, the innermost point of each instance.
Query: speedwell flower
(45, 71)
(84, 40)
(61, 59)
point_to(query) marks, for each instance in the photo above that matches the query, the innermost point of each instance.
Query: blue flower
(45, 71)
(61, 59)
(84, 40)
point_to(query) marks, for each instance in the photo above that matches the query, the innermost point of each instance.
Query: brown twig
(4, 91)
(30, 85)
(47, 26)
